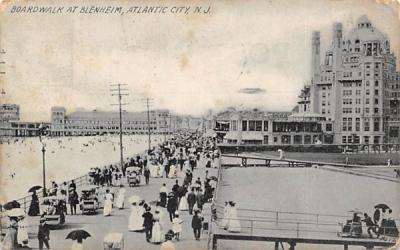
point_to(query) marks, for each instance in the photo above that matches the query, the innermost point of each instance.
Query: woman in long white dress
(156, 234)
(224, 221)
(108, 201)
(183, 204)
(233, 222)
(172, 172)
(136, 218)
(120, 198)
(22, 235)
(153, 170)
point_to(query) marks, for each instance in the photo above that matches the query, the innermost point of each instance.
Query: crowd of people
(179, 157)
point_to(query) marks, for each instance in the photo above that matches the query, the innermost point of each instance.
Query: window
(376, 92)
(376, 101)
(376, 110)
(244, 125)
(358, 92)
(367, 91)
(347, 110)
(349, 139)
(252, 125)
(349, 124)
(265, 125)
(367, 101)
(357, 124)
(258, 125)
(376, 125)
(366, 139)
(344, 139)
(347, 101)
(344, 125)
(328, 127)
(376, 83)
(234, 125)
(347, 92)
(358, 101)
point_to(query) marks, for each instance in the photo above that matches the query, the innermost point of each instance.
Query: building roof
(365, 31)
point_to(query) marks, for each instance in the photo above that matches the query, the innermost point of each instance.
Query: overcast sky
(244, 53)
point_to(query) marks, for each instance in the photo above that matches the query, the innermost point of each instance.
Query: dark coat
(172, 204)
(44, 231)
(200, 199)
(197, 221)
(191, 198)
(148, 219)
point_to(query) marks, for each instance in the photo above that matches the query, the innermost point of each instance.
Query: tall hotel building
(356, 85)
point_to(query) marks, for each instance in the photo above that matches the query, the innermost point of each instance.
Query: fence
(293, 227)
(331, 148)
(26, 201)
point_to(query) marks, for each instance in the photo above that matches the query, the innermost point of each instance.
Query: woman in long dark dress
(34, 208)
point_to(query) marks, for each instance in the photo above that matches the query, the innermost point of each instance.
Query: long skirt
(172, 172)
(183, 204)
(120, 201)
(107, 208)
(234, 225)
(156, 235)
(22, 234)
(136, 221)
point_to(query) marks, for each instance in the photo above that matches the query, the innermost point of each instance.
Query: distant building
(189, 123)
(9, 112)
(356, 86)
(101, 122)
(269, 128)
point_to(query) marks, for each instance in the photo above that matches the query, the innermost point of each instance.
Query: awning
(232, 135)
(254, 136)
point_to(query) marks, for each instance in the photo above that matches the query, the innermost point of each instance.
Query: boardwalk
(99, 226)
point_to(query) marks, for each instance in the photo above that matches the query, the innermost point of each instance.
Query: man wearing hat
(148, 223)
(197, 222)
(172, 206)
(191, 200)
(43, 234)
(200, 199)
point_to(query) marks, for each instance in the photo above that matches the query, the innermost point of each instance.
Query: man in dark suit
(148, 223)
(172, 207)
(197, 222)
(200, 200)
(191, 200)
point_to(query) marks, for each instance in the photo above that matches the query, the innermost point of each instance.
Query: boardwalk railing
(329, 148)
(273, 161)
(26, 201)
(367, 243)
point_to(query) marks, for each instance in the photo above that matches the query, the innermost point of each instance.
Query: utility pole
(170, 124)
(119, 92)
(165, 127)
(147, 103)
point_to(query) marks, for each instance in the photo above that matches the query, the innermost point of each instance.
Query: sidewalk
(99, 226)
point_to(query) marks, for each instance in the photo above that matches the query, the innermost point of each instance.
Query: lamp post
(44, 168)
(42, 131)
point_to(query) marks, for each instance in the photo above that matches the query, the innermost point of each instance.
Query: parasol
(12, 204)
(78, 235)
(16, 212)
(382, 206)
(34, 188)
